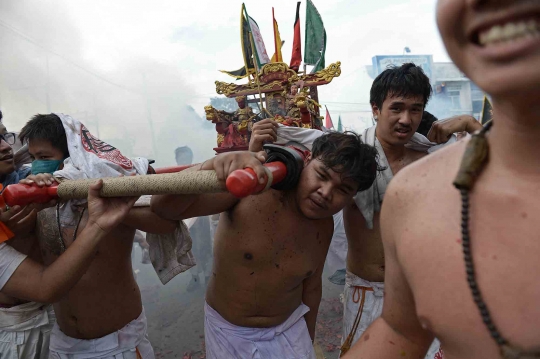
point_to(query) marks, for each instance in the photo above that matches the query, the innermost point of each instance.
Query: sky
(134, 60)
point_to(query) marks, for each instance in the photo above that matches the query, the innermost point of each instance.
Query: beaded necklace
(474, 160)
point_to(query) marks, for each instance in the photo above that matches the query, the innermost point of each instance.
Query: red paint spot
(459, 241)
(366, 337)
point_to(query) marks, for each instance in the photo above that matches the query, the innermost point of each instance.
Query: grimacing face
(398, 119)
(496, 43)
(321, 192)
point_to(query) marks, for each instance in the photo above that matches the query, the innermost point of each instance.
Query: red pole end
(21, 194)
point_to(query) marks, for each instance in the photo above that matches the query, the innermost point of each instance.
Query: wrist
(94, 230)
(207, 165)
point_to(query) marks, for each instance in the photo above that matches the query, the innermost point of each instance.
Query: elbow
(156, 206)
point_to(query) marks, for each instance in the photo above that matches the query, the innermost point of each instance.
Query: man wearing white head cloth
(102, 315)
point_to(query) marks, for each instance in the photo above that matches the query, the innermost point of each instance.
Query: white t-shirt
(10, 259)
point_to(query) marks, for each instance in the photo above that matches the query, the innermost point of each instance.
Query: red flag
(296, 58)
(328, 121)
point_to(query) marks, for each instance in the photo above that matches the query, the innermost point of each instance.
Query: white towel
(304, 136)
(89, 157)
(370, 200)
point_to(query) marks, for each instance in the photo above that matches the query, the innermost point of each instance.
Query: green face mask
(45, 166)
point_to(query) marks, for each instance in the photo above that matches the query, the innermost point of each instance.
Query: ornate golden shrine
(290, 98)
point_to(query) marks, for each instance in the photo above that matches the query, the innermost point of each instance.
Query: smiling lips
(510, 32)
(7, 157)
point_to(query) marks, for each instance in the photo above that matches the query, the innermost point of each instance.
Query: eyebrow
(343, 185)
(399, 103)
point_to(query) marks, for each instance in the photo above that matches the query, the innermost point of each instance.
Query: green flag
(339, 126)
(315, 38)
(249, 66)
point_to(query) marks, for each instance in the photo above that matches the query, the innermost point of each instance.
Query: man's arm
(441, 130)
(32, 281)
(143, 219)
(312, 286)
(397, 334)
(176, 207)
(311, 296)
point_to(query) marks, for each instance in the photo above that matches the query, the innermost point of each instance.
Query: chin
(519, 83)
(6, 169)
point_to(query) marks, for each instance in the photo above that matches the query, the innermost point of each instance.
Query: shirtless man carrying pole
(464, 267)
(270, 249)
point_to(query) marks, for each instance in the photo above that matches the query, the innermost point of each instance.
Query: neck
(392, 152)
(514, 139)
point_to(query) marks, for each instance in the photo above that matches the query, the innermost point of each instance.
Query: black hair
(425, 124)
(1, 116)
(46, 127)
(406, 81)
(345, 153)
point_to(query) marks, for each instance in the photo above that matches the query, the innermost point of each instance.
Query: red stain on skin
(366, 337)
(391, 342)
(459, 241)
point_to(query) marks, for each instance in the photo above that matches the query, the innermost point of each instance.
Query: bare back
(365, 254)
(90, 309)
(264, 250)
(504, 234)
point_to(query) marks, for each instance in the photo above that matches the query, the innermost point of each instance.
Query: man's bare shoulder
(432, 172)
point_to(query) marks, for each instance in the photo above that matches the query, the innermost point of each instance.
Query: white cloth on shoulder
(370, 200)
(289, 340)
(127, 343)
(89, 157)
(304, 136)
(25, 331)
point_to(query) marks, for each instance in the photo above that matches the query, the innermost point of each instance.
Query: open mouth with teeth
(514, 31)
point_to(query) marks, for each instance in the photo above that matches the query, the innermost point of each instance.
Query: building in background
(453, 93)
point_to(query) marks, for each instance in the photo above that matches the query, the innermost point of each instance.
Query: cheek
(450, 20)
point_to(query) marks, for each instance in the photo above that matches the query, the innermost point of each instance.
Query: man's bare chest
(272, 241)
(506, 266)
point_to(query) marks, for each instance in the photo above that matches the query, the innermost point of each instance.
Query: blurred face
(184, 159)
(496, 43)
(321, 192)
(44, 150)
(398, 119)
(6, 158)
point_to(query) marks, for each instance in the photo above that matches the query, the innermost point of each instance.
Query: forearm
(173, 206)
(143, 219)
(385, 343)
(57, 279)
(312, 299)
